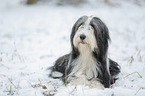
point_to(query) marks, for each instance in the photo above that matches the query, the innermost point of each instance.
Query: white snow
(33, 37)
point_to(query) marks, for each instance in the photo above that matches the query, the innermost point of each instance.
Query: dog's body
(87, 63)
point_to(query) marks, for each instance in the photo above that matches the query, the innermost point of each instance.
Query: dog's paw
(96, 84)
(79, 81)
(56, 74)
(84, 81)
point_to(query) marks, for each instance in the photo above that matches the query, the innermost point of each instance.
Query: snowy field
(33, 37)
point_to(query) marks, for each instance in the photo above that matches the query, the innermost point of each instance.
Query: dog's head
(92, 33)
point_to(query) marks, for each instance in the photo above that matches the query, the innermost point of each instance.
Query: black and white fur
(88, 63)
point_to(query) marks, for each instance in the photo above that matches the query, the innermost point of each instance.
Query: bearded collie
(87, 63)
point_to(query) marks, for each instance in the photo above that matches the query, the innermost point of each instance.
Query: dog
(87, 63)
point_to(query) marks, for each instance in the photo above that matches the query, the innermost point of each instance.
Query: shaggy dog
(88, 63)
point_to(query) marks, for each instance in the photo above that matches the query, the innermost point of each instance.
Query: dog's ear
(78, 23)
(102, 37)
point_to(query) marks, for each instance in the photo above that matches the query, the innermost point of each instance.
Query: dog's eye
(90, 28)
(82, 27)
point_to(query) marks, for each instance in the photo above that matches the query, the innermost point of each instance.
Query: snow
(33, 37)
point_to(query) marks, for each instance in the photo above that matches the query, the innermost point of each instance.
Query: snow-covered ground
(33, 37)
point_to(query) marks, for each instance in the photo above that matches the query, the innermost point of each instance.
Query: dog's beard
(84, 49)
(85, 63)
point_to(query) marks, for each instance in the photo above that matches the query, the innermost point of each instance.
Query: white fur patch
(56, 74)
(88, 20)
(85, 64)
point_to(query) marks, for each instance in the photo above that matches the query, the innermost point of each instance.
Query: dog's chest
(85, 65)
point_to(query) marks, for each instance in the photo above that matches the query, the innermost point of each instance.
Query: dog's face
(90, 32)
(84, 37)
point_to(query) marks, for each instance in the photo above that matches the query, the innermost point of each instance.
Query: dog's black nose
(82, 36)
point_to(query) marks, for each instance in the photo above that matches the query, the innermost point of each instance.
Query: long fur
(88, 59)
